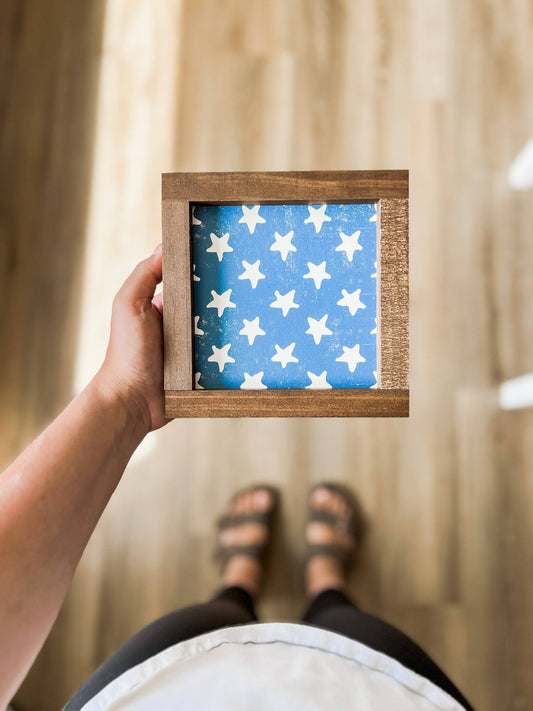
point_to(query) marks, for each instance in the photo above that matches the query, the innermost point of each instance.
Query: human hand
(132, 370)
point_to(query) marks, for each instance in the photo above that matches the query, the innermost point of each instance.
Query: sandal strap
(233, 521)
(323, 516)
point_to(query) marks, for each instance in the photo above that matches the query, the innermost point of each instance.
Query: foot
(243, 543)
(327, 570)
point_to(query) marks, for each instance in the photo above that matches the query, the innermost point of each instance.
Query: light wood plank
(440, 87)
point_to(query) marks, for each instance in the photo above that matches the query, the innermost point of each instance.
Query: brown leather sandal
(264, 518)
(353, 526)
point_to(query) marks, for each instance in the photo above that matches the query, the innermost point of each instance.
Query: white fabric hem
(295, 635)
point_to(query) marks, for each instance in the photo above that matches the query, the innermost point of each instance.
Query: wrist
(130, 408)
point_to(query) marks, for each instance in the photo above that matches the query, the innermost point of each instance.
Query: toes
(251, 501)
(262, 499)
(320, 497)
(324, 498)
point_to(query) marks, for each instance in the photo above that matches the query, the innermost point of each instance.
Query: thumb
(140, 286)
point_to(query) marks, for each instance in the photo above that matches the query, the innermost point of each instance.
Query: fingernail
(158, 249)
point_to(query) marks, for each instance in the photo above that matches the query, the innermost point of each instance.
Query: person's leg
(232, 606)
(332, 610)
(331, 536)
(243, 537)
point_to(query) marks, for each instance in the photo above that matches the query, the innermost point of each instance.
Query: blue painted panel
(285, 296)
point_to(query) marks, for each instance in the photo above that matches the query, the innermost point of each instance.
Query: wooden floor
(97, 99)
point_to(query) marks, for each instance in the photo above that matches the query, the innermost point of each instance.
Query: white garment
(270, 666)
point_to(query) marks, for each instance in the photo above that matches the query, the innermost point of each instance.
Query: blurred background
(97, 99)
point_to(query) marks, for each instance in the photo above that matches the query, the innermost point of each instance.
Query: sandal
(352, 526)
(264, 518)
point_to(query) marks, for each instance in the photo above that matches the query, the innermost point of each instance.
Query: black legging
(331, 610)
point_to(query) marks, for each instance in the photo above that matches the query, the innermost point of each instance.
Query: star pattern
(251, 272)
(317, 215)
(351, 356)
(349, 244)
(221, 302)
(352, 301)
(283, 244)
(317, 329)
(195, 220)
(197, 330)
(253, 382)
(284, 296)
(318, 382)
(285, 302)
(317, 272)
(251, 329)
(221, 356)
(220, 245)
(284, 355)
(251, 217)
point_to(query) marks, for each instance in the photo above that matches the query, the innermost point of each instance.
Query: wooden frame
(390, 189)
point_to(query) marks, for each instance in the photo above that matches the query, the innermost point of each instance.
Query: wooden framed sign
(286, 294)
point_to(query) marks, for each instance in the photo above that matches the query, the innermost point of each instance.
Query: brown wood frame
(390, 189)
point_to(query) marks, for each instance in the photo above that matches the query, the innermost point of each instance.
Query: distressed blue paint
(285, 276)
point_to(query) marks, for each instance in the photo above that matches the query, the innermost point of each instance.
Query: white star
(251, 216)
(350, 243)
(285, 302)
(373, 387)
(374, 216)
(251, 272)
(317, 272)
(317, 215)
(352, 301)
(317, 329)
(197, 330)
(352, 357)
(318, 382)
(221, 357)
(375, 274)
(251, 330)
(283, 244)
(375, 329)
(253, 382)
(219, 245)
(195, 220)
(197, 385)
(194, 277)
(284, 355)
(221, 302)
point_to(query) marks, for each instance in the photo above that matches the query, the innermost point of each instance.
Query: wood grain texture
(393, 323)
(441, 87)
(389, 188)
(177, 312)
(288, 403)
(294, 186)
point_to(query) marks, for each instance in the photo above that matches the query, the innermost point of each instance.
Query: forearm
(51, 498)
